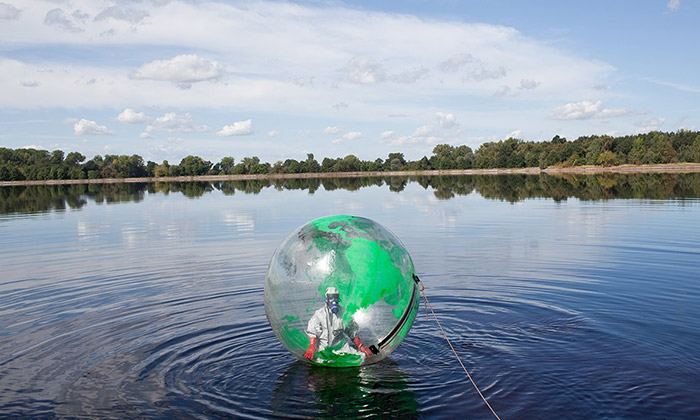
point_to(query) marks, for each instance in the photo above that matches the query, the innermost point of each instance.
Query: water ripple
(568, 309)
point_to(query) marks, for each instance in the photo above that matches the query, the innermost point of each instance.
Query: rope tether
(428, 305)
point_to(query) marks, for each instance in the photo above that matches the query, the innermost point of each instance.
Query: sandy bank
(622, 169)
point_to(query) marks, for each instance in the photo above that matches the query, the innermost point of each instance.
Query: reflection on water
(380, 390)
(511, 188)
(577, 304)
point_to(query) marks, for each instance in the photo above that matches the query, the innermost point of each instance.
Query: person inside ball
(326, 329)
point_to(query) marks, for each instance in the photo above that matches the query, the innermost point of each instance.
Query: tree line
(652, 148)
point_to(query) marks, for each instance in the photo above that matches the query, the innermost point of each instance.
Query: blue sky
(165, 79)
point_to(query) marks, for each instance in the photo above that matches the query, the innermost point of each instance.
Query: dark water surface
(573, 298)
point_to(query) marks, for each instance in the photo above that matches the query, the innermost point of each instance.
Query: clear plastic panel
(373, 274)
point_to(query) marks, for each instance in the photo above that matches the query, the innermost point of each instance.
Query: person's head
(332, 299)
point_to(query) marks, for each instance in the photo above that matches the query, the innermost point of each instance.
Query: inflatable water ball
(340, 291)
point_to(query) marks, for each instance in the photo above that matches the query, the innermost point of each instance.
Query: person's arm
(361, 346)
(313, 330)
(312, 348)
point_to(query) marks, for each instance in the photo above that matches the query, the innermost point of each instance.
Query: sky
(280, 79)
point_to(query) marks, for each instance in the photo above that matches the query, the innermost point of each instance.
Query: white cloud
(428, 134)
(80, 16)
(456, 62)
(332, 130)
(257, 72)
(33, 146)
(446, 120)
(90, 128)
(585, 110)
(649, 124)
(129, 116)
(273, 133)
(176, 123)
(117, 13)
(411, 76)
(304, 81)
(59, 19)
(9, 12)
(31, 84)
(526, 84)
(362, 70)
(145, 135)
(502, 91)
(517, 134)
(474, 68)
(403, 140)
(352, 135)
(425, 134)
(673, 5)
(424, 131)
(173, 149)
(481, 73)
(183, 69)
(225, 42)
(239, 128)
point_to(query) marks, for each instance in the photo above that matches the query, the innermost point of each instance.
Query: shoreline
(583, 170)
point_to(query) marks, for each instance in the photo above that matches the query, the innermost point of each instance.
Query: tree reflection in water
(511, 188)
(379, 390)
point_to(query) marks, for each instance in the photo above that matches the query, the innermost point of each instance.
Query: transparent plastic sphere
(340, 292)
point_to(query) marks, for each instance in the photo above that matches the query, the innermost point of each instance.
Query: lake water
(573, 298)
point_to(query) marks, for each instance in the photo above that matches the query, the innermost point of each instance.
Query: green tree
(293, 166)
(226, 165)
(328, 164)
(463, 157)
(162, 170)
(637, 151)
(93, 167)
(150, 168)
(395, 162)
(74, 159)
(376, 165)
(595, 146)
(607, 158)
(692, 152)
(558, 140)
(251, 165)
(57, 157)
(194, 166)
(443, 157)
(311, 163)
(135, 167)
(349, 163)
(424, 164)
